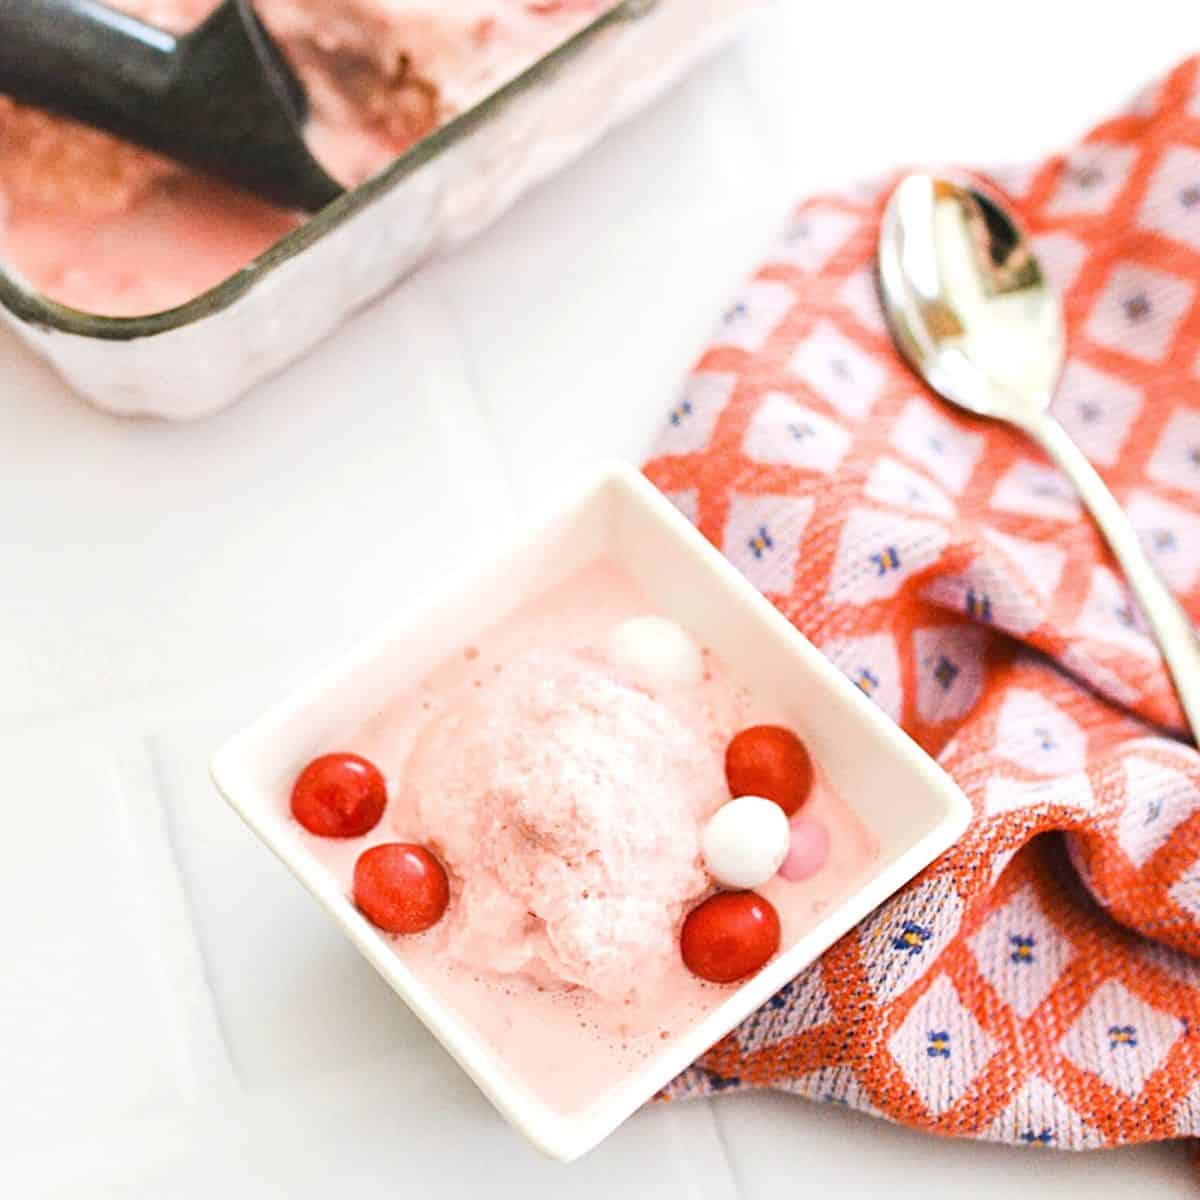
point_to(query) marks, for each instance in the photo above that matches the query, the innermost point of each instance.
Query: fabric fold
(1039, 984)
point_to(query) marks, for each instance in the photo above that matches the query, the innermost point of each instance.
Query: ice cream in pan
(581, 833)
(99, 224)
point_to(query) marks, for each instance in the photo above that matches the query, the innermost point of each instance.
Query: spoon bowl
(967, 300)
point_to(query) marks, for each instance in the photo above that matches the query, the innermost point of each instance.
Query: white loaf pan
(193, 360)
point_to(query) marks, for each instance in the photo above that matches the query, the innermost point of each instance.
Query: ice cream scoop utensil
(221, 98)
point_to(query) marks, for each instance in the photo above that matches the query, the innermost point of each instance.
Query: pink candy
(808, 851)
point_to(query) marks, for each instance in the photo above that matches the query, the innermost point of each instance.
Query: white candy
(657, 649)
(745, 842)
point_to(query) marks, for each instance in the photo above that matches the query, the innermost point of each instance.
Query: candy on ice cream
(745, 842)
(658, 650)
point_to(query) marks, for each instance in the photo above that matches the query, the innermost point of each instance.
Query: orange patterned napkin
(1036, 985)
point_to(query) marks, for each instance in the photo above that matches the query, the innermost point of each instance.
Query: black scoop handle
(220, 98)
(84, 60)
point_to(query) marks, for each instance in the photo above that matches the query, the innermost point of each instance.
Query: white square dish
(912, 808)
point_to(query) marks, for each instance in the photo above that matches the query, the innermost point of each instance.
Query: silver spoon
(972, 312)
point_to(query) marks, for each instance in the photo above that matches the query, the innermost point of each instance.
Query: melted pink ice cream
(108, 228)
(566, 800)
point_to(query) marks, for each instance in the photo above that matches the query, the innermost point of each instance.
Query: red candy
(769, 761)
(339, 795)
(400, 887)
(729, 936)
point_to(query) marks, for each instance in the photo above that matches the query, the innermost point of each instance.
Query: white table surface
(177, 1019)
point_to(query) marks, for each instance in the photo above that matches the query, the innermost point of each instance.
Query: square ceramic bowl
(910, 805)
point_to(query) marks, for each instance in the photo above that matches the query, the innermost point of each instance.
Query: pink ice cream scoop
(567, 805)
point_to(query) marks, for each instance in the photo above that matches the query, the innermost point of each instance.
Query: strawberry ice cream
(577, 800)
(108, 228)
(563, 784)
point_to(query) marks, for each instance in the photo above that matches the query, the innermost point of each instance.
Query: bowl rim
(567, 1136)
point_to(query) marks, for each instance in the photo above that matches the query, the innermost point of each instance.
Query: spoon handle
(1170, 625)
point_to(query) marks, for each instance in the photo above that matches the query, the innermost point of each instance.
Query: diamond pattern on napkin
(1139, 311)
(872, 664)
(989, 594)
(903, 941)
(802, 1003)
(1121, 1038)
(788, 434)
(691, 421)
(878, 552)
(941, 1047)
(1158, 799)
(1091, 179)
(1039, 1116)
(1176, 458)
(927, 437)
(1170, 535)
(815, 236)
(1097, 409)
(891, 482)
(1021, 953)
(1036, 734)
(1040, 984)
(1110, 614)
(860, 295)
(838, 371)
(950, 671)
(1033, 490)
(762, 538)
(1061, 257)
(1041, 563)
(754, 316)
(1006, 795)
(1172, 204)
